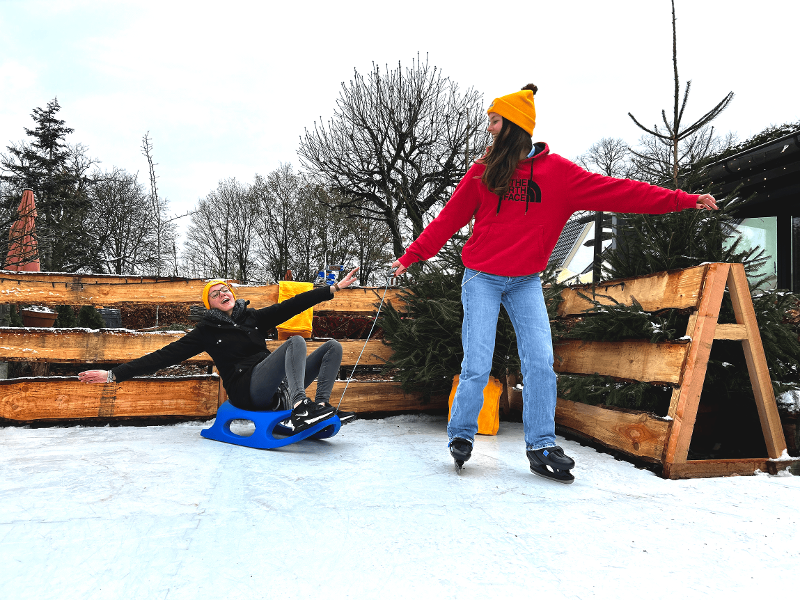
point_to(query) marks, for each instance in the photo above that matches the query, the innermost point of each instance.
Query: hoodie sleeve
(591, 191)
(456, 214)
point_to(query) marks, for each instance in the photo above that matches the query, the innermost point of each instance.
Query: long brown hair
(502, 157)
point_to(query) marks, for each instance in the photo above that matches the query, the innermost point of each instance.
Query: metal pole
(598, 246)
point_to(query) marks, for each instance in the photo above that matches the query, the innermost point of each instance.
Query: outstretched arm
(171, 354)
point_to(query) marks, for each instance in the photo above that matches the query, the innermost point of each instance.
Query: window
(762, 232)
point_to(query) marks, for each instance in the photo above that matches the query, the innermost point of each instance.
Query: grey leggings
(289, 361)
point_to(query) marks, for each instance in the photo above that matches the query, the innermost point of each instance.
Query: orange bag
(298, 324)
(489, 417)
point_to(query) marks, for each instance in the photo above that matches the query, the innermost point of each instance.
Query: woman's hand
(400, 268)
(706, 201)
(93, 376)
(346, 280)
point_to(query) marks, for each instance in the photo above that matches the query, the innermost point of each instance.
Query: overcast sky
(227, 89)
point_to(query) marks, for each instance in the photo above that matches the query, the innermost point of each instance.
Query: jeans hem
(531, 448)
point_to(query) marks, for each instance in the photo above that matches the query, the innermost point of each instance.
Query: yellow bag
(299, 324)
(489, 417)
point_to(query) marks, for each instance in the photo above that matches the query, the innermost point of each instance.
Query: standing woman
(521, 196)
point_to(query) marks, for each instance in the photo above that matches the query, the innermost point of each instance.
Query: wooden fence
(65, 398)
(664, 441)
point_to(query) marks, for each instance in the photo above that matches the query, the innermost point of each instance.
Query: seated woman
(254, 378)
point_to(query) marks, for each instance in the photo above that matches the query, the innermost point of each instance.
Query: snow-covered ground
(375, 512)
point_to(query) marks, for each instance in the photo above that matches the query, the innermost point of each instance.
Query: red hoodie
(514, 236)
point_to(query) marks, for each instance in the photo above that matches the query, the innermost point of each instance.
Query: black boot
(551, 463)
(460, 450)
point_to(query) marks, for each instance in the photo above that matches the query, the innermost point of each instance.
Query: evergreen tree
(66, 317)
(89, 317)
(57, 174)
(667, 151)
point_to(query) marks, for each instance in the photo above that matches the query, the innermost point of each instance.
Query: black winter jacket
(235, 347)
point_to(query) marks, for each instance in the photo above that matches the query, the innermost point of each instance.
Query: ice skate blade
(459, 465)
(564, 477)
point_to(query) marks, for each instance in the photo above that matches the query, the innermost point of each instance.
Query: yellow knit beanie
(517, 108)
(211, 284)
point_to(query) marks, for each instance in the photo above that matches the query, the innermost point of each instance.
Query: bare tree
(156, 206)
(372, 250)
(165, 226)
(674, 134)
(276, 198)
(609, 156)
(220, 234)
(398, 143)
(334, 229)
(123, 223)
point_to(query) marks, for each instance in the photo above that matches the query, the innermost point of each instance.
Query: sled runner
(268, 424)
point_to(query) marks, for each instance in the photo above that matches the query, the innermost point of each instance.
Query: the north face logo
(522, 190)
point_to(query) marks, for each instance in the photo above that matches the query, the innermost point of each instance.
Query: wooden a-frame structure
(703, 329)
(679, 364)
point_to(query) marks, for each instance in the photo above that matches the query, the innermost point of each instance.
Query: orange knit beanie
(211, 284)
(517, 108)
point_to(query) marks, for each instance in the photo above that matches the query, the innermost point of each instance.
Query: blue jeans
(481, 296)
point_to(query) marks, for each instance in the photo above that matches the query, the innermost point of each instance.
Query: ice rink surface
(375, 512)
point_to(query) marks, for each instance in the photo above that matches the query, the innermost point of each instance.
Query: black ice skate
(308, 412)
(461, 450)
(551, 463)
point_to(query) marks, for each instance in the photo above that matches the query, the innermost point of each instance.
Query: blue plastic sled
(267, 425)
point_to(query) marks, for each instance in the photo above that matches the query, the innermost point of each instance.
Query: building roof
(768, 174)
(570, 235)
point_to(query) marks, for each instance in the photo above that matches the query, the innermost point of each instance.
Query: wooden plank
(636, 433)
(684, 411)
(756, 362)
(104, 290)
(632, 359)
(376, 352)
(62, 398)
(121, 345)
(730, 331)
(83, 345)
(669, 289)
(59, 398)
(724, 331)
(380, 396)
(724, 468)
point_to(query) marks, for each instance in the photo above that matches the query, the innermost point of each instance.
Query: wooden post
(694, 373)
(756, 362)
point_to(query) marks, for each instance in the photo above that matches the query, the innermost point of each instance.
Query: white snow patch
(378, 512)
(40, 309)
(790, 400)
(784, 457)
